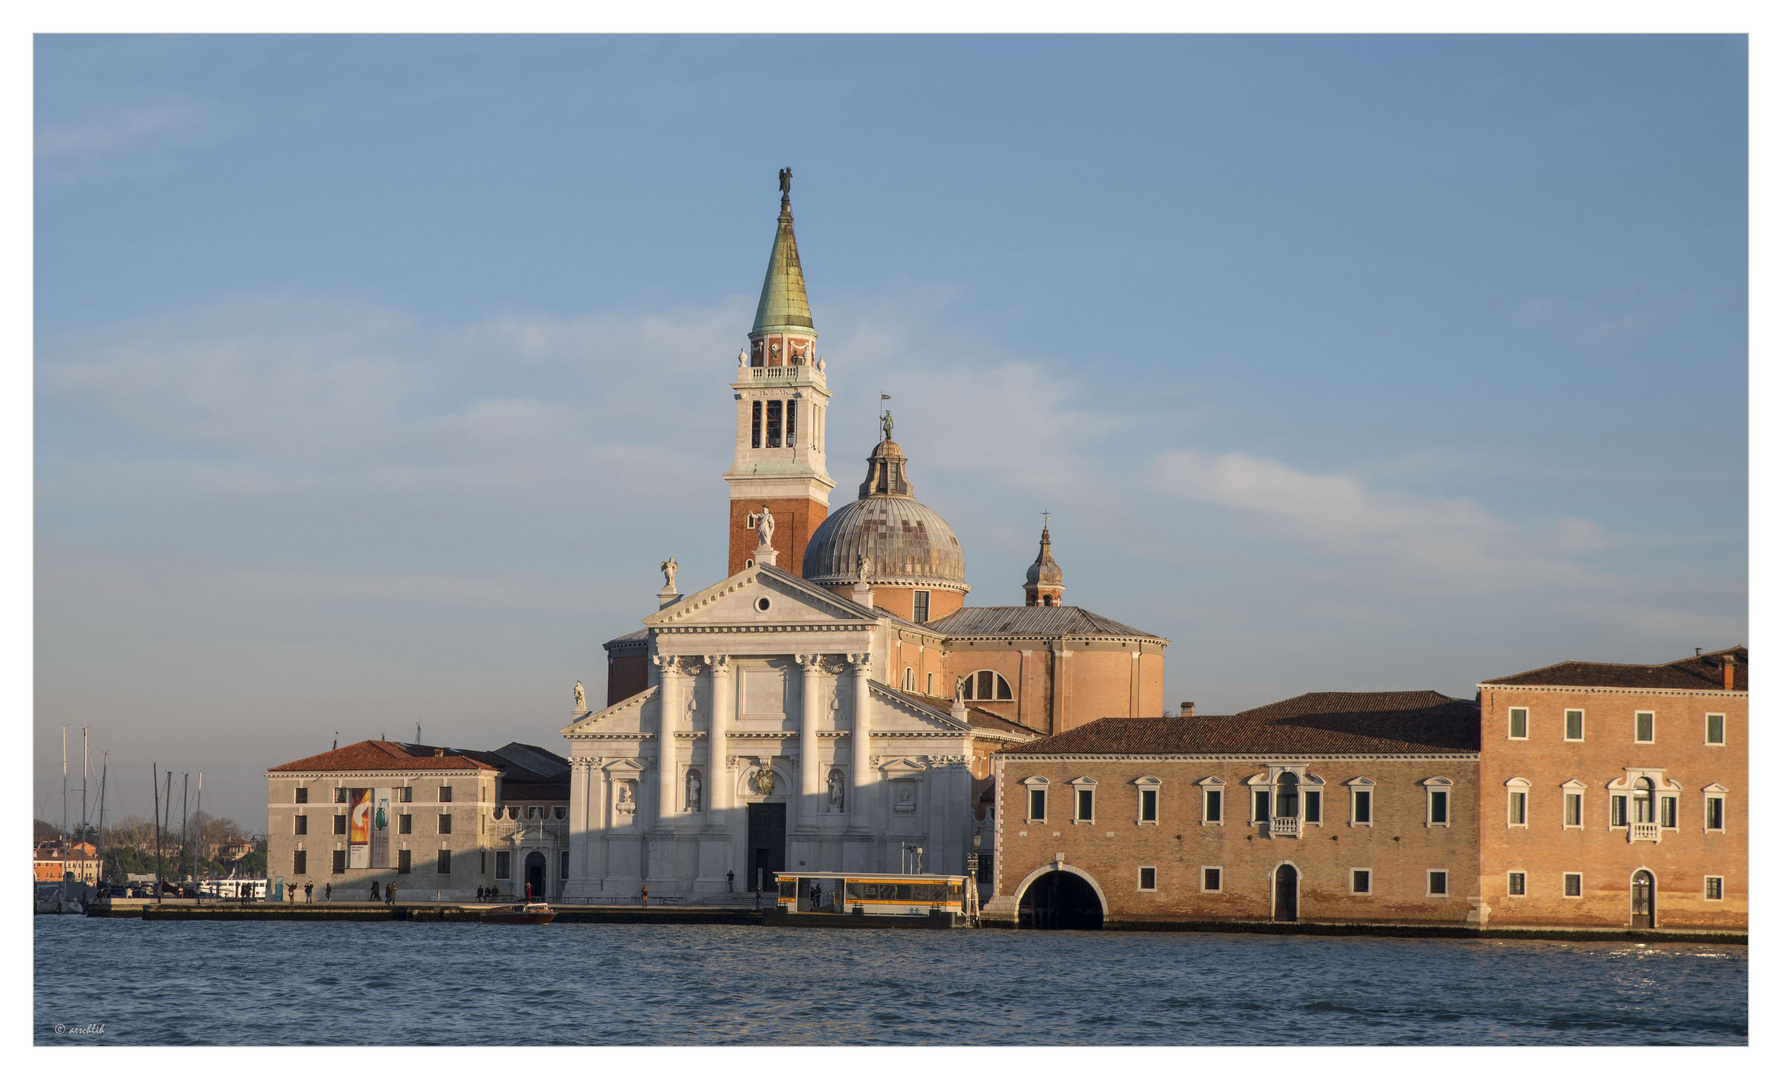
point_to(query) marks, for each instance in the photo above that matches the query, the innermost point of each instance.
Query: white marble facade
(759, 682)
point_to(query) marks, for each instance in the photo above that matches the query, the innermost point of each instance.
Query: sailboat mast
(155, 782)
(99, 841)
(83, 807)
(185, 804)
(198, 836)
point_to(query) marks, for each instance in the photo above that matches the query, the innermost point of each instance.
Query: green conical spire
(784, 307)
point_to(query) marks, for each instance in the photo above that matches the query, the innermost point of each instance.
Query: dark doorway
(1286, 894)
(535, 876)
(1060, 901)
(767, 844)
(1644, 917)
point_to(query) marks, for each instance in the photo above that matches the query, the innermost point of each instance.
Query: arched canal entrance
(535, 876)
(1060, 900)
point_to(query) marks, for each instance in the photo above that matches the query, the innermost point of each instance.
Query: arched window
(1642, 799)
(909, 679)
(987, 686)
(931, 684)
(1287, 795)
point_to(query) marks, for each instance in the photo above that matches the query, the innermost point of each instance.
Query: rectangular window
(1438, 883)
(920, 605)
(791, 423)
(1667, 812)
(1261, 806)
(340, 794)
(405, 794)
(1036, 804)
(445, 824)
(1518, 884)
(302, 795)
(1617, 811)
(1716, 729)
(1147, 879)
(1211, 879)
(299, 862)
(1643, 724)
(502, 861)
(1438, 806)
(445, 794)
(445, 861)
(339, 824)
(773, 422)
(482, 862)
(1519, 808)
(1361, 882)
(1711, 889)
(339, 866)
(404, 860)
(1518, 723)
(1148, 806)
(1574, 809)
(1215, 805)
(1364, 806)
(563, 864)
(755, 427)
(1574, 884)
(302, 828)
(1574, 725)
(1716, 813)
(1086, 805)
(1315, 807)
(405, 824)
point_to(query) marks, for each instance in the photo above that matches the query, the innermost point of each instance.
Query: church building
(833, 703)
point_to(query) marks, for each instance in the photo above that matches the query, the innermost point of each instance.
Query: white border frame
(1510, 723)
(1508, 874)
(1369, 871)
(1721, 879)
(1220, 870)
(1447, 883)
(1517, 785)
(1563, 875)
(1653, 713)
(1706, 729)
(1709, 794)
(1138, 879)
(1565, 719)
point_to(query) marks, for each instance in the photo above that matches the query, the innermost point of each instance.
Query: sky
(374, 376)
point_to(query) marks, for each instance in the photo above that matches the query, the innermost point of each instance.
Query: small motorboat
(523, 914)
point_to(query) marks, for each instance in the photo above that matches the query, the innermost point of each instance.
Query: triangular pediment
(915, 714)
(760, 597)
(624, 715)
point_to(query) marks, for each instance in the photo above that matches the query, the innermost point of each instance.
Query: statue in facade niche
(835, 790)
(669, 569)
(764, 526)
(626, 805)
(693, 791)
(581, 698)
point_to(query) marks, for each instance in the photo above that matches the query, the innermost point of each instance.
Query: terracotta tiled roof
(1046, 622)
(377, 755)
(1703, 672)
(1395, 722)
(982, 718)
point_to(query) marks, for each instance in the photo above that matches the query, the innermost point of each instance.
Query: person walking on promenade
(645, 899)
(390, 893)
(374, 893)
(730, 881)
(327, 892)
(291, 893)
(309, 892)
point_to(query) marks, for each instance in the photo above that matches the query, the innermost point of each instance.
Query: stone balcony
(1284, 826)
(784, 375)
(1642, 830)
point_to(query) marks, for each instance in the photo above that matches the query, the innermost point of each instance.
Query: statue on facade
(764, 781)
(835, 791)
(693, 791)
(886, 422)
(581, 698)
(669, 569)
(764, 526)
(863, 565)
(786, 182)
(625, 805)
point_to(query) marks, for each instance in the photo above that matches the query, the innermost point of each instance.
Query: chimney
(1187, 708)
(1727, 669)
(862, 594)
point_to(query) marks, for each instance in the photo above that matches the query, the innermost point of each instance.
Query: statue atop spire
(786, 182)
(784, 308)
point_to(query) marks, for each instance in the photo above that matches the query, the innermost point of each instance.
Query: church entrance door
(535, 875)
(767, 844)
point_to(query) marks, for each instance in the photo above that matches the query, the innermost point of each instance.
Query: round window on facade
(763, 604)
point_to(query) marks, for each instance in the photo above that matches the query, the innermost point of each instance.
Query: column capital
(860, 661)
(812, 663)
(718, 662)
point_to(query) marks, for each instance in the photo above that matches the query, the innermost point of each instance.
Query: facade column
(862, 667)
(810, 772)
(717, 782)
(669, 708)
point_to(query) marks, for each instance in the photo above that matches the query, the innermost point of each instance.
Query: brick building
(1614, 795)
(1329, 807)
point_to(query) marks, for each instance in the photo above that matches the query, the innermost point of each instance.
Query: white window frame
(1369, 871)
(1710, 794)
(1510, 723)
(1209, 785)
(1659, 798)
(1078, 786)
(1572, 789)
(1220, 870)
(925, 596)
(1653, 713)
(1311, 784)
(1509, 875)
(1139, 879)
(1155, 787)
(1708, 729)
(1430, 787)
(1040, 784)
(1720, 881)
(1447, 882)
(1518, 786)
(1565, 723)
(1563, 881)
(1358, 786)
(909, 680)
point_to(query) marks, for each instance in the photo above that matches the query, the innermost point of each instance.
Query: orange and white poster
(359, 828)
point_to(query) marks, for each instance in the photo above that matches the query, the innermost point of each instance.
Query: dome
(904, 541)
(1044, 570)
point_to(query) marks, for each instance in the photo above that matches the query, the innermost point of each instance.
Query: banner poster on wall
(380, 829)
(359, 828)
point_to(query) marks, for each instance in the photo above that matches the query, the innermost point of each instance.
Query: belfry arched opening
(1059, 900)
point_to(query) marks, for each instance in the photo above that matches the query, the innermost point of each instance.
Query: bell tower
(782, 406)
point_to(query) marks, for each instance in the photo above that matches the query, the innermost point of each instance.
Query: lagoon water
(591, 984)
